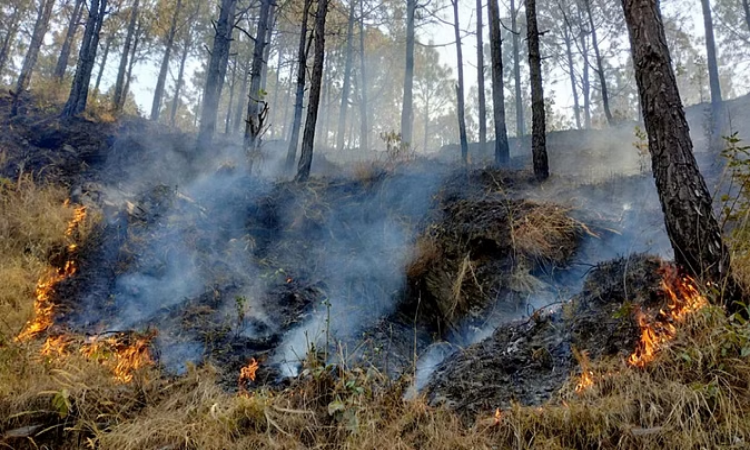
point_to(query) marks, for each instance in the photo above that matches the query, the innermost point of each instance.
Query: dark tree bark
(10, 35)
(178, 86)
(460, 87)
(407, 108)
(79, 90)
(232, 85)
(349, 59)
(103, 64)
(482, 107)
(37, 38)
(131, 62)
(62, 60)
(216, 72)
(267, 49)
(239, 113)
(571, 70)
(119, 99)
(520, 121)
(692, 228)
(308, 138)
(585, 84)
(599, 67)
(745, 8)
(187, 43)
(299, 96)
(161, 81)
(502, 151)
(275, 130)
(713, 75)
(363, 127)
(254, 121)
(538, 129)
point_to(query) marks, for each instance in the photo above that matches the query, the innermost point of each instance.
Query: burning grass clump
(33, 224)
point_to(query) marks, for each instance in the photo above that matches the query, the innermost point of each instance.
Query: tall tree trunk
(482, 107)
(276, 88)
(460, 87)
(239, 113)
(103, 64)
(232, 85)
(426, 121)
(538, 129)
(37, 38)
(686, 202)
(599, 66)
(161, 81)
(347, 78)
(10, 35)
(745, 8)
(571, 71)
(119, 98)
(407, 108)
(502, 151)
(216, 72)
(254, 121)
(306, 154)
(299, 95)
(325, 107)
(186, 44)
(178, 84)
(713, 75)
(131, 63)
(267, 49)
(585, 84)
(62, 60)
(79, 90)
(520, 121)
(363, 127)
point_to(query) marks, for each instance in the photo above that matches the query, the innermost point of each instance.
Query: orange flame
(55, 346)
(122, 357)
(684, 299)
(587, 376)
(498, 416)
(43, 305)
(247, 374)
(585, 382)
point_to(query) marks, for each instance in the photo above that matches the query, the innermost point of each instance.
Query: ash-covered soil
(529, 360)
(390, 270)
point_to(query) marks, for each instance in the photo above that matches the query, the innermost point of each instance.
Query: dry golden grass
(33, 221)
(544, 232)
(695, 395)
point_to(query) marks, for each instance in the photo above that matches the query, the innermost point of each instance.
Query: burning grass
(60, 392)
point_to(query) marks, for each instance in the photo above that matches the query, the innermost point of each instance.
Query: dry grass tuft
(33, 222)
(544, 232)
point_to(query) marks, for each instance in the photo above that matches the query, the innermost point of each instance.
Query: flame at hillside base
(247, 374)
(43, 305)
(123, 355)
(684, 299)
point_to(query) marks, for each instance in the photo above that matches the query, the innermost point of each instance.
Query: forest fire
(43, 305)
(247, 374)
(124, 355)
(585, 382)
(684, 299)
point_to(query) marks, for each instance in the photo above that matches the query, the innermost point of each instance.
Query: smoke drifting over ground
(228, 266)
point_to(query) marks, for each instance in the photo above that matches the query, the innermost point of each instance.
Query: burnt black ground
(263, 247)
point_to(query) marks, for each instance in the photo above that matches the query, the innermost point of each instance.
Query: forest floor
(153, 298)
